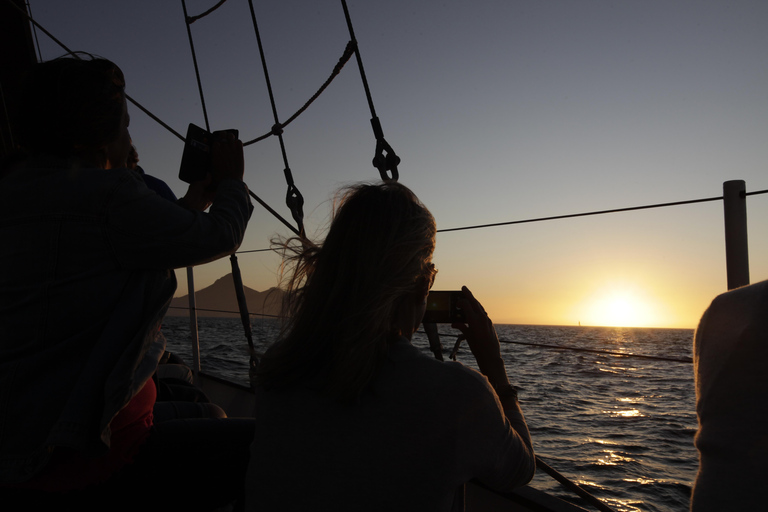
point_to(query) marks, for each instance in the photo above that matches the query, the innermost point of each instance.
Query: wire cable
(584, 214)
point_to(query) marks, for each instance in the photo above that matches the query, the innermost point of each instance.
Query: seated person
(730, 353)
(86, 280)
(351, 415)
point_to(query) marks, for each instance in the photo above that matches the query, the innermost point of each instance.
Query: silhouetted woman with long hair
(350, 415)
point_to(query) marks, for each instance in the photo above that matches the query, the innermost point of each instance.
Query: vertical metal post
(736, 246)
(193, 336)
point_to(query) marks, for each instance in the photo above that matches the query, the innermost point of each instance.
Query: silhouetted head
(357, 291)
(378, 250)
(71, 107)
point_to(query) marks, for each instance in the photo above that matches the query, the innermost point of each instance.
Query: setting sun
(619, 307)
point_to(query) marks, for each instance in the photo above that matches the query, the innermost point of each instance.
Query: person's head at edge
(348, 298)
(75, 109)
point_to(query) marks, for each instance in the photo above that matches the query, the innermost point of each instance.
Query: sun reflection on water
(624, 505)
(613, 459)
(642, 481)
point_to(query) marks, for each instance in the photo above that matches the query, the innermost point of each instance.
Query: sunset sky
(500, 110)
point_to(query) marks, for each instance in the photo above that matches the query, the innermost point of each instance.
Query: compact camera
(196, 160)
(443, 308)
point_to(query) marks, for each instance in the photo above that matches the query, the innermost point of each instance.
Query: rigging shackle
(385, 160)
(295, 202)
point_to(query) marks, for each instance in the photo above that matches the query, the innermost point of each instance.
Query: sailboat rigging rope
(142, 108)
(75, 55)
(583, 214)
(385, 159)
(293, 198)
(594, 351)
(194, 61)
(348, 51)
(155, 118)
(192, 19)
(34, 32)
(599, 212)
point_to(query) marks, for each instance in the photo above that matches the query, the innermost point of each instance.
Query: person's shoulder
(734, 313)
(739, 298)
(756, 290)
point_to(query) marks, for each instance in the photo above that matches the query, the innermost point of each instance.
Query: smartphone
(196, 160)
(443, 307)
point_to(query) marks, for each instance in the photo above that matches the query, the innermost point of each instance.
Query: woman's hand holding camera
(483, 341)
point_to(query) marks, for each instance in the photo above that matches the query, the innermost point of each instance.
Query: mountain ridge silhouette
(220, 301)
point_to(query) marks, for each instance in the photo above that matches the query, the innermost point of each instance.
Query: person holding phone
(87, 258)
(348, 411)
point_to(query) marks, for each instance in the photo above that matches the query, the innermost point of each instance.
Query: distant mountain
(219, 300)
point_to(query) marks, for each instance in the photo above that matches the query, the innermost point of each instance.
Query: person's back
(730, 356)
(350, 416)
(422, 431)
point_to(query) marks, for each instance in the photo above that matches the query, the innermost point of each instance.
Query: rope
(293, 198)
(75, 55)
(189, 21)
(156, 119)
(348, 51)
(36, 24)
(222, 311)
(192, 19)
(605, 352)
(254, 250)
(194, 60)
(34, 32)
(385, 159)
(273, 212)
(585, 214)
(145, 110)
(577, 349)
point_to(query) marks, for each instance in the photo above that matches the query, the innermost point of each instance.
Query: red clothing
(68, 470)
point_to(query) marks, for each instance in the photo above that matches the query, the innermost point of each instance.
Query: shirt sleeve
(497, 440)
(145, 230)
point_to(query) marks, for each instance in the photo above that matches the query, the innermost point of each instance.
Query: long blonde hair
(343, 295)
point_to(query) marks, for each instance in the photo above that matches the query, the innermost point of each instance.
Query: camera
(196, 161)
(443, 308)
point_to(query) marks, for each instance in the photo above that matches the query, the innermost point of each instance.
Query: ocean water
(622, 427)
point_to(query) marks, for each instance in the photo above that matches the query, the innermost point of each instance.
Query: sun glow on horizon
(619, 307)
